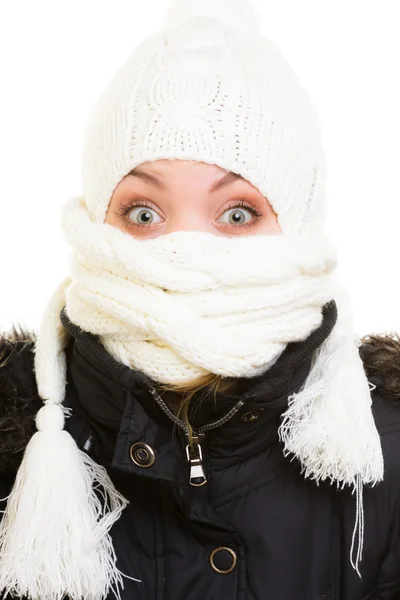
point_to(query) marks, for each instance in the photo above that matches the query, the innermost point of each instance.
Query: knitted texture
(175, 305)
(207, 87)
(188, 303)
(200, 89)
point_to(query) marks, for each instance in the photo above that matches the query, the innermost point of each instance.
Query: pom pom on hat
(236, 14)
(209, 87)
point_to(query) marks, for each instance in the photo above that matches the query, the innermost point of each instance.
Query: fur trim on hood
(380, 354)
(19, 400)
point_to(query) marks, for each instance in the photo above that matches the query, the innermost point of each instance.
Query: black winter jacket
(257, 530)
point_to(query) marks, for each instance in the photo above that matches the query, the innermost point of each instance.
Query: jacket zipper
(87, 446)
(194, 453)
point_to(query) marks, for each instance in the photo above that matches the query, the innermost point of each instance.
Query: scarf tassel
(318, 427)
(54, 535)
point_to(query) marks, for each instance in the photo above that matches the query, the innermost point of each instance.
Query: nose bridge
(189, 217)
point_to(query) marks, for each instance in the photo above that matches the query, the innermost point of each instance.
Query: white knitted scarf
(176, 307)
(189, 303)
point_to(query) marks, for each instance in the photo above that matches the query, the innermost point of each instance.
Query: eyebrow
(230, 177)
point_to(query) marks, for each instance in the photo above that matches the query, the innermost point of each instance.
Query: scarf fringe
(55, 538)
(358, 527)
(318, 426)
(54, 535)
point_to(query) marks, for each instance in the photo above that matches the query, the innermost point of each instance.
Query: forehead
(157, 173)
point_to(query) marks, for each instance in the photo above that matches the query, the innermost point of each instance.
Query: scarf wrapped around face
(189, 303)
(176, 307)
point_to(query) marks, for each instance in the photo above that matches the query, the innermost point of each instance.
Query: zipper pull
(87, 446)
(195, 458)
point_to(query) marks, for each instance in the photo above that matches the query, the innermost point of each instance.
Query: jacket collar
(100, 389)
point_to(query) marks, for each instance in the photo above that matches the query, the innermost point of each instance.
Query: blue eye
(237, 215)
(144, 214)
(142, 210)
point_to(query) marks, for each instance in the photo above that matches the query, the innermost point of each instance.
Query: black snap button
(252, 415)
(142, 454)
(223, 560)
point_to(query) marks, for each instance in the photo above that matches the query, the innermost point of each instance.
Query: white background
(57, 56)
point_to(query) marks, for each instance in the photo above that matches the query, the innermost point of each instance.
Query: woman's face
(163, 196)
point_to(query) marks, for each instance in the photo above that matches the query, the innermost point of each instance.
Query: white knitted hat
(210, 88)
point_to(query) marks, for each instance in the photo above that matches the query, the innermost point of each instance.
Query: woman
(196, 417)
